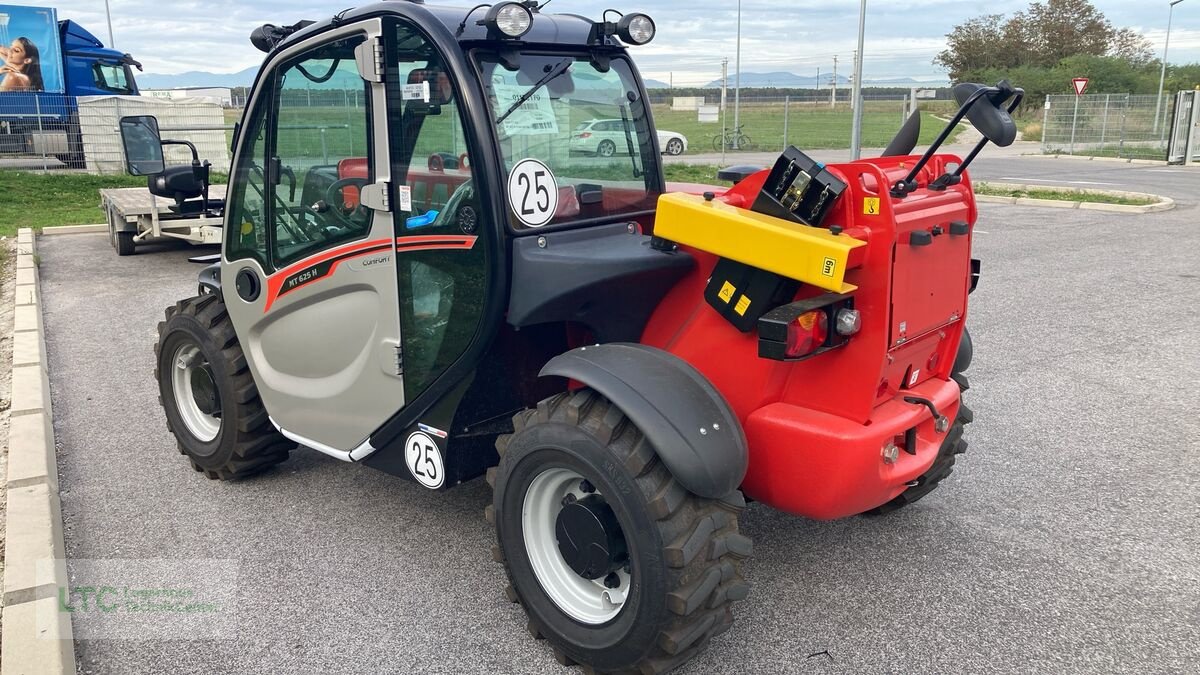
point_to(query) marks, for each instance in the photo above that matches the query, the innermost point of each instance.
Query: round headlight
(511, 19)
(636, 29)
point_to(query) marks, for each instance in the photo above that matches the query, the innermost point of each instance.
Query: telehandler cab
(444, 291)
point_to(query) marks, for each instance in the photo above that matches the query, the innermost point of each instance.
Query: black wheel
(125, 243)
(719, 143)
(674, 147)
(616, 564)
(208, 394)
(953, 446)
(744, 143)
(606, 149)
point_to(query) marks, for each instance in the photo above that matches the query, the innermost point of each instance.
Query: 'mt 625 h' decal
(325, 264)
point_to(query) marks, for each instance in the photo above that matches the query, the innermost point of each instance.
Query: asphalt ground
(1067, 539)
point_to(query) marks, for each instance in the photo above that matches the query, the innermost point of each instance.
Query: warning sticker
(727, 292)
(871, 206)
(405, 193)
(829, 267)
(742, 305)
(534, 117)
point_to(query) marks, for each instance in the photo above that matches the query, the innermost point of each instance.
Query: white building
(219, 95)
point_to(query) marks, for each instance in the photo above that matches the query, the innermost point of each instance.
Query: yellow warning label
(727, 292)
(829, 267)
(871, 206)
(742, 305)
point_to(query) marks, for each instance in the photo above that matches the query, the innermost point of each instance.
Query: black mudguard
(966, 351)
(210, 279)
(682, 414)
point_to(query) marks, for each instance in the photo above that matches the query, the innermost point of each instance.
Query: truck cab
(90, 68)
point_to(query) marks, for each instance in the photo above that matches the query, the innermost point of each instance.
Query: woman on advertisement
(20, 66)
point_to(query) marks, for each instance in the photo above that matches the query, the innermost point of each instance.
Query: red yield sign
(1080, 84)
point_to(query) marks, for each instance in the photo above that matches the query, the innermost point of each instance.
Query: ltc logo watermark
(74, 599)
(143, 599)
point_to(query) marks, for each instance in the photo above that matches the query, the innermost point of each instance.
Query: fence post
(1104, 124)
(1045, 121)
(787, 100)
(324, 150)
(1124, 114)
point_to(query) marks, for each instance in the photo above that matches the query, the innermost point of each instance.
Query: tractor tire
(606, 149)
(953, 446)
(209, 396)
(672, 559)
(124, 243)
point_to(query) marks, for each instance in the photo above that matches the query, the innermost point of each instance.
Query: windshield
(575, 146)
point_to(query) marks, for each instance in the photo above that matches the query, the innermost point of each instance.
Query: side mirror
(143, 145)
(987, 114)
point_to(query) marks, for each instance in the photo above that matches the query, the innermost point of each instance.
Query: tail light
(806, 334)
(586, 134)
(802, 329)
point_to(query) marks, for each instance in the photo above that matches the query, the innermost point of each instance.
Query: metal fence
(1108, 125)
(56, 132)
(815, 122)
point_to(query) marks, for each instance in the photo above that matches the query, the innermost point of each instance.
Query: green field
(40, 200)
(811, 126)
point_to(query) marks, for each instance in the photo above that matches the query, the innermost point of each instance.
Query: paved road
(1067, 540)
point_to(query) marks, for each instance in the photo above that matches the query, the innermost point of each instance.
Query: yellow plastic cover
(812, 255)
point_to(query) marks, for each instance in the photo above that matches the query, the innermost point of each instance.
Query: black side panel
(210, 278)
(603, 277)
(687, 420)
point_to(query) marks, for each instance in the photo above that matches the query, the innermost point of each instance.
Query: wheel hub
(590, 538)
(204, 391)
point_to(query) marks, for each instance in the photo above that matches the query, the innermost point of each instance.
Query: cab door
(309, 268)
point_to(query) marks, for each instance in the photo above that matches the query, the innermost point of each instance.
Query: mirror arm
(947, 179)
(191, 146)
(902, 188)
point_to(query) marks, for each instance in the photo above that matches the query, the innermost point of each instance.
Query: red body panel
(817, 427)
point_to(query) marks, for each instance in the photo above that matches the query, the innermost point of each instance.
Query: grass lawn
(810, 126)
(1066, 195)
(40, 200)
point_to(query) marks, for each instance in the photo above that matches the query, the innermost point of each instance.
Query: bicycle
(733, 139)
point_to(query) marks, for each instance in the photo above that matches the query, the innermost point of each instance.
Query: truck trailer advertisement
(30, 53)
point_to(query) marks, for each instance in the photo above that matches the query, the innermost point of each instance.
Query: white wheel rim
(185, 363)
(586, 601)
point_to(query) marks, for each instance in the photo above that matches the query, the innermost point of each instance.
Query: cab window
(305, 158)
(111, 77)
(442, 259)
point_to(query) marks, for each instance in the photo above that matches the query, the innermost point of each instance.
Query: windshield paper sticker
(416, 92)
(532, 192)
(534, 117)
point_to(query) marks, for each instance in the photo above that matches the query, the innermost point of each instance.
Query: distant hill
(195, 78)
(784, 80)
(656, 84)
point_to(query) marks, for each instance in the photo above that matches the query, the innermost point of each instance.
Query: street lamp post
(856, 101)
(737, 80)
(1162, 78)
(112, 42)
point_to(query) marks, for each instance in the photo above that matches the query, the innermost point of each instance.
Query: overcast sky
(800, 36)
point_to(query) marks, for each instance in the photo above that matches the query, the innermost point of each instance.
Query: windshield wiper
(637, 172)
(559, 68)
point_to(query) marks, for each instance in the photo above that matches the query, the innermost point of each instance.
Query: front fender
(682, 414)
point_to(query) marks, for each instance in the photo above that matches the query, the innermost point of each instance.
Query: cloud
(801, 36)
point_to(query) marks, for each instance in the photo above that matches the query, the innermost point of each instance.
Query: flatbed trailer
(135, 216)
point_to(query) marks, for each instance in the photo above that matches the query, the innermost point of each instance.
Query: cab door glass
(442, 259)
(322, 155)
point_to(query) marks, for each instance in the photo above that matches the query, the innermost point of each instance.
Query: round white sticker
(424, 460)
(532, 192)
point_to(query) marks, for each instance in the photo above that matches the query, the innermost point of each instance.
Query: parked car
(606, 138)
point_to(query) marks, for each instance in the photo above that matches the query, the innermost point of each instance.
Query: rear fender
(693, 429)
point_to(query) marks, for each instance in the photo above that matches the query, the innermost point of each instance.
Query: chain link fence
(1108, 125)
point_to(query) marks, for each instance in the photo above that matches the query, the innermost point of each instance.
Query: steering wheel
(336, 202)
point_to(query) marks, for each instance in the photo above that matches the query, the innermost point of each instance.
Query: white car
(605, 138)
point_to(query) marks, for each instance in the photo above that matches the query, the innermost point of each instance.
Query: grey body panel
(682, 414)
(325, 356)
